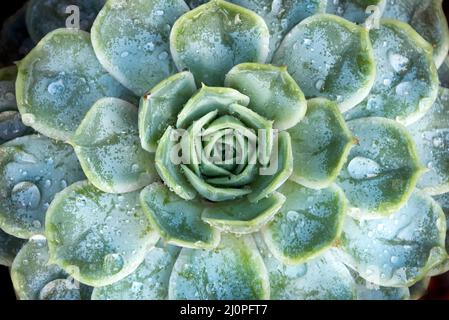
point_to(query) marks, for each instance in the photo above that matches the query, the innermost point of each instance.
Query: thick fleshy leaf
(9, 248)
(11, 126)
(131, 40)
(322, 278)
(272, 91)
(148, 282)
(431, 136)
(241, 216)
(354, 10)
(382, 169)
(443, 201)
(211, 192)
(58, 82)
(427, 18)
(32, 170)
(369, 291)
(44, 16)
(309, 222)
(108, 147)
(406, 79)
(321, 144)
(399, 250)
(98, 238)
(171, 173)
(281, 16)
(176, 220)
(35, 278)
(329, 57)
(216, 36)
(209, 99)
(443, 73)
(160, 107)
(7, 88)
(279, 170)
(233, 271)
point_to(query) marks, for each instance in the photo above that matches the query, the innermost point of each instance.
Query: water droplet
(387, 82)
(25, 158)
(124, 54)
(163, 55)
(292, 215)
(159, 13)
(319, 84)
(47, 183)
(113, 263)
(56, 87)
(437, 142)
(404, 88)
(362, 168)
(28, 119)
(63, 184)
(135, 167)
(136, 287)
(394, 259)
(149, 46)
(397, 61)
(26, 195)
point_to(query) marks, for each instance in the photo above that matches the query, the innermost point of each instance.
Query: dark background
(439, 286)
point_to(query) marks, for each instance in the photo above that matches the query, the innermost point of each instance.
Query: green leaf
(309, 222)
(210, 192)
(322, 278)
(216, 36)
(11, 126)
(44, 16)
(241, 216)
(272, 91)
(354, 10)
(233, 271)
(406, 79)
(382, 169)
(148, 282)
(399, 250)
(431, 136)
(281, 16)
(170, 172)
(98, 238)
(131, 40)
(32, 170)
(321, 144)
(9, 248)
(279, 170)
(58, 82)
(329, 57)
(428, 19)
(108, 146)
(206, 100)
(176, 220)
(35, 278)
(160, 107)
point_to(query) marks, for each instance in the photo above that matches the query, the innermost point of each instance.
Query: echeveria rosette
(325, 194)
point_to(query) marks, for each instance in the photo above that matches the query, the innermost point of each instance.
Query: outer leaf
(148, 282)
(443, 201)
(308, 223)
(58, 82)
(354, 10)
(400, 250)
(329, 57)
(32, 170)
(321, 144)
(242, 216)
(322, 278)
(431, 135)
(44, 16)
(406, 79)
(235, 270)
(281, 16)
(382, 170)
(272, 91)
(9, 248)
(131, 40)
(11, 126)
(35, 278)
(108, 146)
(216, 36)
(176, 220)
(426, 17)
(98, 238)
(280, 169)
(160, 107)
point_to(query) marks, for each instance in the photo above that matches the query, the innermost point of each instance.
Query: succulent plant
(227, 150)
